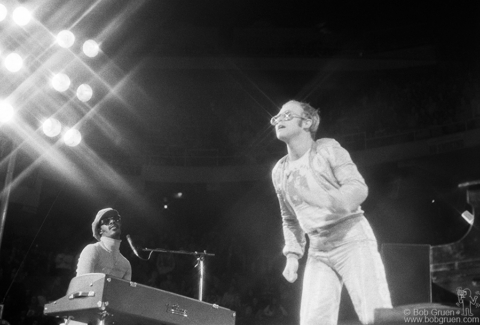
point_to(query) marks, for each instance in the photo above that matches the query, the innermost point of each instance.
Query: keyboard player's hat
(98, 217)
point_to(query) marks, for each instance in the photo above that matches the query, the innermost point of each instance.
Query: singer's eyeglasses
(106, 221)
(287, 116)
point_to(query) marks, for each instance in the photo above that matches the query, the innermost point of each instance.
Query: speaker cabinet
(408, 273)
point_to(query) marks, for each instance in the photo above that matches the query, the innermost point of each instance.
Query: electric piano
(456, 266)
(97, 298)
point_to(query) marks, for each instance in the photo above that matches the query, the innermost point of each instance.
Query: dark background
(193, 84)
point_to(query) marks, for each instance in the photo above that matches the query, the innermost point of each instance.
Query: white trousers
(346, 253)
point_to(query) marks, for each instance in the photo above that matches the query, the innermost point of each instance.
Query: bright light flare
(6, 112)
(51, 127)
(72, 137)
(468, 216)
(21, 16)
(84, 92)
(178, 195)
(3, 12)
(60, 82)
(13, 62)
(65, 38)
(91, 48)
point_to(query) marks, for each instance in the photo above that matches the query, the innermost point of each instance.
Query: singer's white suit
(320, 195)
(104, 257)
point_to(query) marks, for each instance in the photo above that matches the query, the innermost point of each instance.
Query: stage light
(84, 92)
(21, 16)
(178, 195)
(90, 48)
(65, 38)
(72, 137)
(51, 127)
(60, 82)
(3, 12)
(6, 112)
(13, 62)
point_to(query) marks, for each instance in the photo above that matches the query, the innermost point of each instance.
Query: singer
(104, 256)
(320, 191)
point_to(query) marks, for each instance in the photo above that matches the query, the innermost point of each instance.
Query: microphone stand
(200, 258)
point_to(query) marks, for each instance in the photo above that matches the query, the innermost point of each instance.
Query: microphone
(131, 245)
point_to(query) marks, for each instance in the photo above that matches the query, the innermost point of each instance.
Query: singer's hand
(290, 271)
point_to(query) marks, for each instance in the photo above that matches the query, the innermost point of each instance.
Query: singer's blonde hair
(310, 113)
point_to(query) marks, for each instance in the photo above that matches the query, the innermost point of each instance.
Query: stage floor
(426, 313)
